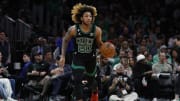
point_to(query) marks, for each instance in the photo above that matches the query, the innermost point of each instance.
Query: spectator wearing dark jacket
(22, 77)
(5, 48)
(141, 75)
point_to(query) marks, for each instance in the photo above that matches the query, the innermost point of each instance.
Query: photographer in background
(121, 86)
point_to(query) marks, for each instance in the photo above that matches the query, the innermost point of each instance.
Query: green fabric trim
(91, 74)
(77, 67)
(92, 29)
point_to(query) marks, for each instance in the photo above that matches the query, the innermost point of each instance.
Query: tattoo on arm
(66, 39)
(98, 38)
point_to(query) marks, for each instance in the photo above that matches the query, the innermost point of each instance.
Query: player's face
(87, 18)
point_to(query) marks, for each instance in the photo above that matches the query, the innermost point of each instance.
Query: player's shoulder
(98, 29)
(72, 28)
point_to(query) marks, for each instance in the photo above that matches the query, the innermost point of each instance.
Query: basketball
(107, 50)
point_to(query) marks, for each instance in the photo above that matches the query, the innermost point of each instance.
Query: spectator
(4, 71)
(125, 47)
(149, 59)
(22, 77)
(124, 63)
(4, 94)
(177, 60)
(69, 50)
(104, 71)
(8, 84)
(141, 76)
(41, 46)
(144, 44)
(60, 82)
(132, 62)
(5, 48)
(126, 33)
(154, 50)
(37, 71)
(48, 57)
(162, 65)
(58, 79)
(163, 48)
(120, 86)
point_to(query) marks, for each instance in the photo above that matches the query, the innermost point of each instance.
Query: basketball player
(86, 36)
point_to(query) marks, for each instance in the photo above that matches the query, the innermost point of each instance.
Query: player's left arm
(99, 36)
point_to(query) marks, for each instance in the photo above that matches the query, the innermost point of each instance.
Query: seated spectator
(149, 59)
(5, 48)
(162, 65)
(155, 49)
(58, 79)
(104, 71)
(125, 47)
(37, 71)
(41, 46)
(132, 62)
(60, 83)
(4, 95)
(141, 76)
(48, 56)
(124, 63)
(176, 56)
(69, 51)
(143, 46)
(4, 78)
(22, 77)
(4, 71)
(163, 49)
(121, 86)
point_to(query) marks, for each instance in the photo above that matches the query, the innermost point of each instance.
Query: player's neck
(85, 27)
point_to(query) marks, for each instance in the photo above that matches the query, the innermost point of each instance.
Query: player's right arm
(98, 36)
(68, 36)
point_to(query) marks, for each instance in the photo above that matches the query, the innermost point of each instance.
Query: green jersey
(85, 43)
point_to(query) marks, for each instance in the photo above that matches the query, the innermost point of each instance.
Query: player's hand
(42, 73)
(62, 61)
(34, 72)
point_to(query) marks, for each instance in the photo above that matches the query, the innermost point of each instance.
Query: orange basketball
(107, 50)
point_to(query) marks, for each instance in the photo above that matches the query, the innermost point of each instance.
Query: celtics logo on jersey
(84, 44)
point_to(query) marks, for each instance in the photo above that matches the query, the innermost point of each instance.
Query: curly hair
(78, 11)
